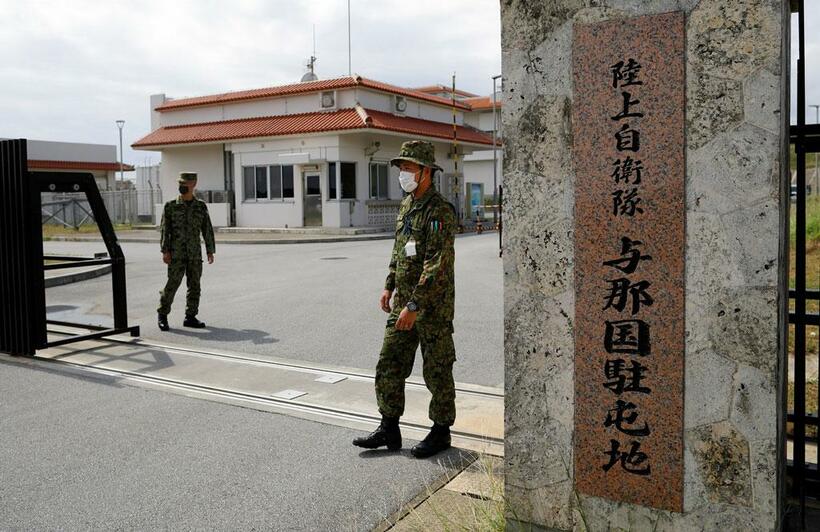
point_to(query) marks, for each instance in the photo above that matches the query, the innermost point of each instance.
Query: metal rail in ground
(460, 388)
(250, 399)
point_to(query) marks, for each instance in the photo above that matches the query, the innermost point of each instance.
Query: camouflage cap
(186, 176)
(417, 151)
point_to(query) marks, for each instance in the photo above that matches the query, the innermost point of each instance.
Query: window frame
(380, 194)
(252, 196)
(331, 181)
(343, 193)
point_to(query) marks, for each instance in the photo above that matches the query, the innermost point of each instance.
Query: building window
(348, 174)
(331, 180)
(248, 183)
(275, 181)
(378, 180)
(261, 182)
(287, 181)
(267, 182)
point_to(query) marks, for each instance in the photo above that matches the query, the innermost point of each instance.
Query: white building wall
(156, 117)
(288, 212)
(71, 151)
(258, 108)
(195, 115)
(485, 120)
(377, 101)
(481, 171)
(206, 161)
(301, 103)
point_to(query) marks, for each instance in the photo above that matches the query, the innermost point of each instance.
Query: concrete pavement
(317, 303)
(88, 452)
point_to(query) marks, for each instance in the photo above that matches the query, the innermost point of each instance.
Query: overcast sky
(71, 69)
(812, 22)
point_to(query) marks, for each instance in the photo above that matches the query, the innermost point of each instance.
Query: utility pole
(495, 157)
(120, 123)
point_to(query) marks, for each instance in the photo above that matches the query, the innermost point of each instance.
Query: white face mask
(408, 181)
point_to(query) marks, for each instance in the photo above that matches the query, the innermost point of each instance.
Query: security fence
(123, 206)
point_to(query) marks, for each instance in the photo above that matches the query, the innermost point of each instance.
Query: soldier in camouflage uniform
(422, 276)
(183, 220)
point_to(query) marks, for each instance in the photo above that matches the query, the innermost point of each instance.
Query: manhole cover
(333, 258)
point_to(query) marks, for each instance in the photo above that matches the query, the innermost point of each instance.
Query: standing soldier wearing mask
(183, 220)
(422, 276)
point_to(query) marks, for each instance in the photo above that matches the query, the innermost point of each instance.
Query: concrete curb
(76, 277)
(249, 241)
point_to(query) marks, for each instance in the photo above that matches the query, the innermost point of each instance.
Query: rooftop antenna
(349, 59)
(310, 75)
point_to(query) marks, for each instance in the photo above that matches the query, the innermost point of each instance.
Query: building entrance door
(312, 201)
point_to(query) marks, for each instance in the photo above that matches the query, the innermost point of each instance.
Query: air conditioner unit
(220, 196)
(400, 104)
(204, 195)
(328, 99)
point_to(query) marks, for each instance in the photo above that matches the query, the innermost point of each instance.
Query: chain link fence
(128, 207)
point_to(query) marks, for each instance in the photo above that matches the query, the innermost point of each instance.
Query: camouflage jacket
(427, 278)
(182, 223)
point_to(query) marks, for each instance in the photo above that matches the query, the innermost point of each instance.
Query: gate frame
(23, 321)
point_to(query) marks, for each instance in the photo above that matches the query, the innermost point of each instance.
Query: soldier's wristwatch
(412, 306)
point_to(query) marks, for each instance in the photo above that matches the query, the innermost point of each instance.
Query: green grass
(812, 243)
(809, 159)
(52, 230)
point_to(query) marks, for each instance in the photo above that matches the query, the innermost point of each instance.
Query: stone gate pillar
(646, 200)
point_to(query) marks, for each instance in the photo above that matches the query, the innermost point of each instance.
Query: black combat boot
(162, 322)
(387, 433)
(438, 440)
(191, 321)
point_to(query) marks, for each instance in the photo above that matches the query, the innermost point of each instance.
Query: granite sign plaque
(628, 152)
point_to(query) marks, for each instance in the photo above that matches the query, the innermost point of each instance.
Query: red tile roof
(317, 122)
(481, 103)
(76, 165)
(427, 128)
(442, 88)
(301, 88)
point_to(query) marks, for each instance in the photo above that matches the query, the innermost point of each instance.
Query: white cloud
(71, 69)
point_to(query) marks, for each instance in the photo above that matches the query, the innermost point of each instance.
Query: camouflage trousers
(192, 271)
(396, 363)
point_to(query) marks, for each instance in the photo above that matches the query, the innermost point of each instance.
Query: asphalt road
(309, 302)
(81, 453)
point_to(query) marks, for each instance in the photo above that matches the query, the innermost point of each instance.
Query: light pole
(120, 123)
(495, 158)
(816, 121)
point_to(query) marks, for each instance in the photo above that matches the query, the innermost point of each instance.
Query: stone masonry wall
(735, 263)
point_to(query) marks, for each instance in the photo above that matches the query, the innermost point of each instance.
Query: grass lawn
(812, 283)
(50, 230)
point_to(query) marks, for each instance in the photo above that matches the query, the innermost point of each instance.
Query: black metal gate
(22, 288)
(803, 470)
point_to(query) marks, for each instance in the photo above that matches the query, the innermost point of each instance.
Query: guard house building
(314, 153)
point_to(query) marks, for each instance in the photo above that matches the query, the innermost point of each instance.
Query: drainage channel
(261, 400)
(460, 388)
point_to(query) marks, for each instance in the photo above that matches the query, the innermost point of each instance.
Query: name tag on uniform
(410, 248)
